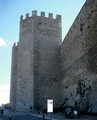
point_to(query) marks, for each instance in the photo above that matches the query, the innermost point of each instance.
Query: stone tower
(35, 71)
(44, 68)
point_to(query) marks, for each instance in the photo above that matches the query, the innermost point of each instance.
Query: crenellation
(34, 13)
(21, 17)
(42, 14)
(16, 44)
(27, 15)
(50, 15)
(58, 17)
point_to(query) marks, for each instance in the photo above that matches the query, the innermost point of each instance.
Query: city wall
(78, 59)
(44, 67)
(38, 66)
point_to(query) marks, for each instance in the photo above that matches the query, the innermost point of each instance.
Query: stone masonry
(38, 64)
(79, 60)
(44, 67)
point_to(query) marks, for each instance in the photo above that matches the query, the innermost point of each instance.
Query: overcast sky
(10, 12)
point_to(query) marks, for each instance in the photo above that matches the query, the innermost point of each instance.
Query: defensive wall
(38, 66)
(44, 67)
(78, 59)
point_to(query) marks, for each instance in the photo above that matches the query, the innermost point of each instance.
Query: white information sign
(49, 105)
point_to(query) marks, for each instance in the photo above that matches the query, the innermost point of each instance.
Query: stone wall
(46, 60)
(78, 59)
(43, 68)
(25, 79)
(13, 89)
(38, 67)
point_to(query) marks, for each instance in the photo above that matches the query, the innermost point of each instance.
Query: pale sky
(10, 12)
(4, 94)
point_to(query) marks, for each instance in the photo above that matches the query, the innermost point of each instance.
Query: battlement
(42, 14)
(15, 44)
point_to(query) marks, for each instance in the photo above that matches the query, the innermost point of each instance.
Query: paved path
(37, 116)
(22, 117)
(33, 117)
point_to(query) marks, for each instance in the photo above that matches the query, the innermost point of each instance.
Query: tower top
(34, 13)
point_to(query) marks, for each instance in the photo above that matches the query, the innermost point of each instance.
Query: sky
(10, 12)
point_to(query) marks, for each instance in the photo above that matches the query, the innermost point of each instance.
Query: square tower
(38, 63)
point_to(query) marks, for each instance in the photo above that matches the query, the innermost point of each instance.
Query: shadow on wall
(91, 40)
(89, 29)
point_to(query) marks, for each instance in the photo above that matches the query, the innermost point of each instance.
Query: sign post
(49, 107)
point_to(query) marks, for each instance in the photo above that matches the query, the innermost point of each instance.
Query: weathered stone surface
(38, 65)
(48, 69)
(78, 59)
(14, 76)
